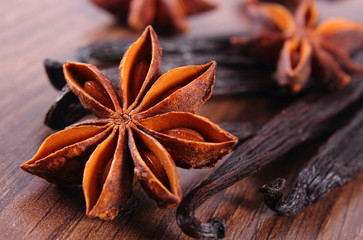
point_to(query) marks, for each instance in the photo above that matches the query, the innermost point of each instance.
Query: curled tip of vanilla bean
(219, 227)
(338, 161)
(273, 193)
(284, 204)
(215, 228)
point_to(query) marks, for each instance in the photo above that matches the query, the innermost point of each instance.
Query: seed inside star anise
(146, 129)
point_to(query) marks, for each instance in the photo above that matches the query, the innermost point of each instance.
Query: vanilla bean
(231, 82)
(242, 130)
(236, 74)
(338, 161)
(176, 52)
(304, 119)
(54, 70)
(65, 111)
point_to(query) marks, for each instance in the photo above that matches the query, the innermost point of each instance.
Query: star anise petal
(346, 34)
(171, 15)
(62, 156)
(93, 88)
(92, 122)
(107, 181)
(306, 14)
(327, 71)
(192, 141)
(142, 13)
(270, 16)
(118, 7)
(344, 60)
(154, 168)
(265, 45)
(196, 6)
(139, 68)
(190, 87)
(167, 15)
(294, 64)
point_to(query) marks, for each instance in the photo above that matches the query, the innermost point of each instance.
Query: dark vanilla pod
(306, 118)
(338, 162)
(236, 74)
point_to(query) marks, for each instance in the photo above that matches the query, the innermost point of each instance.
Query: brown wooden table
(31, 208)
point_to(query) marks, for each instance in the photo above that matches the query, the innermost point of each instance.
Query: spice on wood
(146, 129)
(299, 47)
(337, 162)
(307, 117)
(166, 16)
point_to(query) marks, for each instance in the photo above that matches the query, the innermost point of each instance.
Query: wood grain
(31, 208)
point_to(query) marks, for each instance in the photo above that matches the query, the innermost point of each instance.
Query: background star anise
(166, 16)
(147, 129)
(299, 47)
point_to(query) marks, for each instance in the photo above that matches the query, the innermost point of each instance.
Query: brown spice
(301, 48)
(306, 118)
(153, 126)
(167, 16)
(337, 162)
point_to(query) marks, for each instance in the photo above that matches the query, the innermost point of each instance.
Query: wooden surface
(31, 208)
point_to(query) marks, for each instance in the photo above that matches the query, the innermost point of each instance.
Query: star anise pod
(146, 129)
(166, 16)
(300, 48)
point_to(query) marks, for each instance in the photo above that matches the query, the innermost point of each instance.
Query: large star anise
(166, 16)
(147, 129)
(299, 47)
